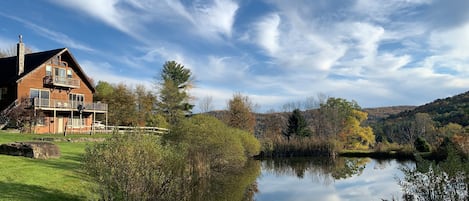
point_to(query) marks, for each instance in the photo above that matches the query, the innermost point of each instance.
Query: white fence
(116, 129)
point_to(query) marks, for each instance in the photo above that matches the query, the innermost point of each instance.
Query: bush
(212, 145)
(136, 167)
(421, 145)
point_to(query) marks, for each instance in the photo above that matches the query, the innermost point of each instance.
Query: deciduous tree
(240, 113)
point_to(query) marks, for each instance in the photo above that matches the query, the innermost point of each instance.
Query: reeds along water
(297, 147)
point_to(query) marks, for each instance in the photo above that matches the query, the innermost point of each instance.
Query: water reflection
(323, 179)
(234, 186)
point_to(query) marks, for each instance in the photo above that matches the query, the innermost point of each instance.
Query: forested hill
(277, 121)
(378, 113)
(443, 111)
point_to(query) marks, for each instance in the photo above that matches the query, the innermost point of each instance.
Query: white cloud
(107, 11)
(53, 35)
(103, 71)
(268, 33)
(136, 18)
(217, 17)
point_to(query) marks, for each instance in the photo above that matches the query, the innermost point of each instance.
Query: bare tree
(11, 51)
(206, 104)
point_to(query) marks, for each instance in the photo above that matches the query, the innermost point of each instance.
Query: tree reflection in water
(323, 170)
(233, 186)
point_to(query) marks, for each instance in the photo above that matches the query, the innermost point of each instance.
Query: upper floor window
(76, 98)
(41, 97)
(69, 73)
(48, 70)
(60, 72)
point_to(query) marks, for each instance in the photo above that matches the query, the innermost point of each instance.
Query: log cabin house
(53, 87)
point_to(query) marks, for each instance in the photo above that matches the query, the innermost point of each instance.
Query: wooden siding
(34, 80)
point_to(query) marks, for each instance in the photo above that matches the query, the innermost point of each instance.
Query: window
(76, 99)
(40, 97)
(48, 70)
(60, 72)
(41, 121)
(69, 73)
(76, 122)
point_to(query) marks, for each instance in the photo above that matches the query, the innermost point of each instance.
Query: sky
(376, 52)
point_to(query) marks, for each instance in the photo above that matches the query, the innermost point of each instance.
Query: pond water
(347, 179)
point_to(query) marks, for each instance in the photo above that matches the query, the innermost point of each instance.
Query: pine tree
(296, 125)
(173, 97)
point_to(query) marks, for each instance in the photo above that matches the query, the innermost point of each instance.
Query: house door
(60, 124)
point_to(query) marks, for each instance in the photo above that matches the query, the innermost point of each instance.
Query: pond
(350, 179)
(305, 179)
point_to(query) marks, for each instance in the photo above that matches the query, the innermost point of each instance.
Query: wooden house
(53, 87)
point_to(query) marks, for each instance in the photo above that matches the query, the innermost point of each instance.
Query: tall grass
(297, 147)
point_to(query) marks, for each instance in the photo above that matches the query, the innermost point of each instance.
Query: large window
(76, 99)
(40, 97)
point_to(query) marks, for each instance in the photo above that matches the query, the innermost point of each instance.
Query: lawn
(24, 178)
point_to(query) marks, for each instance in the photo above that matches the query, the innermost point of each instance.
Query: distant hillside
(279, 119)
(378, 113)
(452, 109)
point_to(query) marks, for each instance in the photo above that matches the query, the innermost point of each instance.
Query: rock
(40, 150)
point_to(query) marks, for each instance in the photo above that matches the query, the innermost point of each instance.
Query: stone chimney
(20, 56)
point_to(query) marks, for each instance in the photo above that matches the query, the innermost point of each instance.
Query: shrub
(421, 145)
(136, 167)
(212, 145)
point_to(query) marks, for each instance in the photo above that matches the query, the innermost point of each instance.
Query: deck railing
(62, 81)
(72, 105)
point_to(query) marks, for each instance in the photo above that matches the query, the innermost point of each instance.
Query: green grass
(24, 178)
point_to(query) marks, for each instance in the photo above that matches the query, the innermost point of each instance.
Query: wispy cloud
(52, 35)
(135, 18)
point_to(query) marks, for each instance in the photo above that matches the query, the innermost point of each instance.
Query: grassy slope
(24, 178)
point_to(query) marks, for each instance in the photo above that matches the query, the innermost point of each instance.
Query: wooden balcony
(51, 104)
(61, 82)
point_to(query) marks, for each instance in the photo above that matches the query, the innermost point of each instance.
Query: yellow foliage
(354, 136)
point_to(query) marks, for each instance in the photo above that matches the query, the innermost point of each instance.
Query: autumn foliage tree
(240, 113)
(355, 136)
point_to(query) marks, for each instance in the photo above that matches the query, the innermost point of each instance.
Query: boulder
(40, 150)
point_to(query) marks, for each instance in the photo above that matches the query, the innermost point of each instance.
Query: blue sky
(377, 52)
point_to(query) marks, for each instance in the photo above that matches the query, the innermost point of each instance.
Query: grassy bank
(24, 178)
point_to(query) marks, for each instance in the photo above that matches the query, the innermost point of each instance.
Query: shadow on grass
(17, 191)
(71, 163)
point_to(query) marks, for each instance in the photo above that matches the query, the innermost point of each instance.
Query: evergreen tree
(173, 97)
(296, 125)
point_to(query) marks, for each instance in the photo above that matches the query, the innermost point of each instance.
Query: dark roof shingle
(8, 72)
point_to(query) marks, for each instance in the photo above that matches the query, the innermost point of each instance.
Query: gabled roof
(8, 68)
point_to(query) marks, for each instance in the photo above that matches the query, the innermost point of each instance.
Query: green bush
(136, 167)
(421, 145)
(212, 145)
